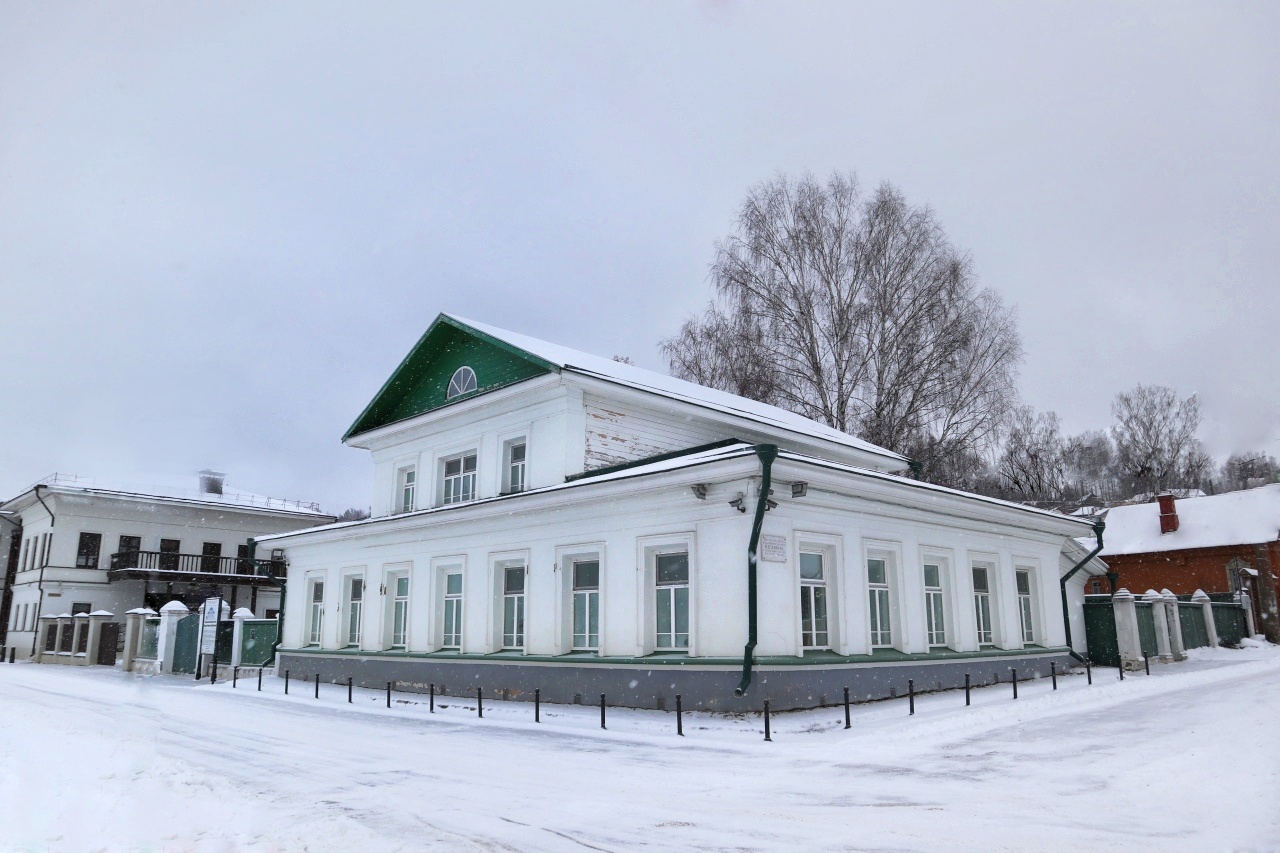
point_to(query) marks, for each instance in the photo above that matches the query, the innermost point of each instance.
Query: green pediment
(421, 383)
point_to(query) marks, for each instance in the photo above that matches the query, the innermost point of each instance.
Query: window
(243, 565)
(44, 548)
(87, 551)
(317, 613)
(672, 581)
(1024, 605)
(463, 382)
(169, 554)
(460, 479)
(1095, 586)
(514, 475)
(453, 610)
(408, 487)
(813, 601)
(513, 607)
(210, 557)
(355, 609)
(878, 599)
(81, 607)
(22, 560)
(586, 605)
(935, 620)
(399, 611)
(130, 545)
(982, 603)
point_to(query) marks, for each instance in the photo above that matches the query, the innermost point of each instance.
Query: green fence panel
(1100, 632)
(1147, 629)
(1230, 621)
(149, 642)
(186, 642)
(225, 642)
(1195, 634)
(256, 641)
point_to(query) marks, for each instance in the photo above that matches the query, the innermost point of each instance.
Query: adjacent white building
(543, 518)
(79, 546)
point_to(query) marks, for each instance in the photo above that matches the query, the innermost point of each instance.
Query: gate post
(96, 620)
(1206, 607)
(133, 634)
(1176, 644)
(167, 636)
(1247, 603)
(1161, 620)
(237, 633)
(1127, 640)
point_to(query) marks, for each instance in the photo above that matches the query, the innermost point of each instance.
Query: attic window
(463, 382)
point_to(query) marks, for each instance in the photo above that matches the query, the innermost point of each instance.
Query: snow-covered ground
(1186, 759)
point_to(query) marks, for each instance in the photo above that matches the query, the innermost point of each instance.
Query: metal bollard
(317, 685)
(766, 721)
(388, 694)
(286, 682)
(1015, 684)
(1088, 671)
(679, 717)
(602, 710)
(847, 724)
(1053, 673)
(479, 702)
(537, 705)
(12, 651)
(1146, 662)
(235, 675)
(213, 673)
(1122, 670)
(432, 697)
(966, 690)
(349, 682)
(259, 679)
(911, 695)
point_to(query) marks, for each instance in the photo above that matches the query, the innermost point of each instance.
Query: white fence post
(1156, 600)
(1176, 644)
(1127, 640)
(1206, 607)
(238, 618)
(170, 615)
(1246, 601)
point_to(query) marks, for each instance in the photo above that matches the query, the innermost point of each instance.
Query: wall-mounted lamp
(277, 554)
(739, 503)
(770, 504)
(699, 491)
(799, 490)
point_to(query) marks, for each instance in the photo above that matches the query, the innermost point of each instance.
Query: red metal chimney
(1168, 514)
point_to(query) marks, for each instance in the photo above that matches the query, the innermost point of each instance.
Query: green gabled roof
(419, 384)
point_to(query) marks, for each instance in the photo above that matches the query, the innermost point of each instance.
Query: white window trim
(891, 552)
(441, 568)
(498, 562)
(831, 547)
(1031, 566)
(308, 621)
(647, 549)
(471, 449)
(992, 562)
(397, 501)
(391, 571)
(566, 556)
(505, 443)
(944, 559)
(344, 613)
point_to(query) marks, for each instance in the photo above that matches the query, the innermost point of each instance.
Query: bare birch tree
(1155, 438)
(856, 311)
(1032, 462)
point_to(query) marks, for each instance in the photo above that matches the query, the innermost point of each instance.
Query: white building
(81, 546)
(543, 518)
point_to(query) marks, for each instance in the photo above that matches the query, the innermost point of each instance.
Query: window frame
(461, 457)
(462, 377)
(509, 485)
(393, 575)
(405, 499)
(1030, 600)
(944, 559)
(81, 554)
(516, 600)
(648, 548)
(353, 608)
(992, 568)
(314, 627)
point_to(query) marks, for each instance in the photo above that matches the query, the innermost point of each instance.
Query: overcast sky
(222, 225)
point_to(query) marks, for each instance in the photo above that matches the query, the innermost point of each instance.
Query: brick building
(1220, 544)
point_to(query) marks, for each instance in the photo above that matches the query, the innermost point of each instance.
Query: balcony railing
(165, 561)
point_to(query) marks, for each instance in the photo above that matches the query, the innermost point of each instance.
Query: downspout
(1098, 527)
(767, 453)
(35, 635)
(271, 576)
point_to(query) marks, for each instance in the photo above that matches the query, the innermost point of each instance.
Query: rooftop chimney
(1168, 514)
(211, 483)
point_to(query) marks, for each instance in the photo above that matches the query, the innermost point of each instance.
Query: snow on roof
(1234, 518)
(677, 389)
(246, 500)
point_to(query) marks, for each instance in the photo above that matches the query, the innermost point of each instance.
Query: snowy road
(1187, 759)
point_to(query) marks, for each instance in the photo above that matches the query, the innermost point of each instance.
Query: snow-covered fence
(74, 640)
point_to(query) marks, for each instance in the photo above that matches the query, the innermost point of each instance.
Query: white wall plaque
(773, 549)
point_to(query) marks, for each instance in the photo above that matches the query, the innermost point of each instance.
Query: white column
(238, 619)
(1127, 638)
(1156, 600)
(170, 615)
(1172, 610)
(1206, 607)
(80, 622)
(96, 620)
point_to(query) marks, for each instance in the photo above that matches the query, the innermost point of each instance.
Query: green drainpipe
(271, 576)
(767, 453)
(1098, 527)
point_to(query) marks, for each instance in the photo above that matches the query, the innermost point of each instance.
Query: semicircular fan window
(463, 382)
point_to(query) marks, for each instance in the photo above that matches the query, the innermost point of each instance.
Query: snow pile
(97, 759)
(1235, 518)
